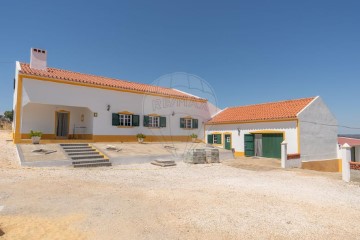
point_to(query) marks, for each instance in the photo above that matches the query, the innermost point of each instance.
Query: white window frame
(154, 121)
(187, 121)
(215, 139)
(125, 120)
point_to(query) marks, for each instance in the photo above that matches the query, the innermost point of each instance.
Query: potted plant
(140, 137)
(35, 136)
(193, 137)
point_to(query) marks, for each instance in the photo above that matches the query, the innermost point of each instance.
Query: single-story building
(306, 124)
(70, 105)
(354, 143)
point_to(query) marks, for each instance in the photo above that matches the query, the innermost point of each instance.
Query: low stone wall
(293, 161)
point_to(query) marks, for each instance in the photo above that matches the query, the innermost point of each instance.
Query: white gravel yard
(141, 201)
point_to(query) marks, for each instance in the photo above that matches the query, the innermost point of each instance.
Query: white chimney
(38, 59)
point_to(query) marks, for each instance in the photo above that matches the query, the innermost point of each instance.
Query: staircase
(83, 155)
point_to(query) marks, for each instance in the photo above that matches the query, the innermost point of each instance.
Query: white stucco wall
(289, 127)
(318, 140)
(49, 93)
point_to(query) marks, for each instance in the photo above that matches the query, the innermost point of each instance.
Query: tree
(9, 115)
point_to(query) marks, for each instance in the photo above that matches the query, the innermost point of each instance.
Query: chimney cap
(38, 59)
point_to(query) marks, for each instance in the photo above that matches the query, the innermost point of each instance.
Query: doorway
(62, 119)
(227, 138)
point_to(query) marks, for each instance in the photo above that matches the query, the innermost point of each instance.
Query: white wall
(41, 117)
(97, 99)
(318, 140)
(289, 127)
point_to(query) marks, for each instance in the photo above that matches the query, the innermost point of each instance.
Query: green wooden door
(271, 145)
(227, 141)
(249, 145)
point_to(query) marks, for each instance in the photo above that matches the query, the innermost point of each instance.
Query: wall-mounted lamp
(108, 107)
(238, 131)
(95, 114)
(82, 117)
(173, 113)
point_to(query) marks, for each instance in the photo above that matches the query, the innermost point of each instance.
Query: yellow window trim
(126, 113)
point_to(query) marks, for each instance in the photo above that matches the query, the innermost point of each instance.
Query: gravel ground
(141, 201)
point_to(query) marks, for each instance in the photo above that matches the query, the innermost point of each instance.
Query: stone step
(100, 160)
(83, 153)
(74, 148)
(102, 164)
(77, 157)
(79, 150)
(73, 144)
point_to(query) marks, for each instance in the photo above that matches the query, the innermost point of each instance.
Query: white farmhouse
(70, 105)
(307, 126)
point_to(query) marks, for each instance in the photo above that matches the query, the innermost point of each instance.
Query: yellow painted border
(17, 135)
(126, 113)
(107, 88)
(239, 154)
(55, 126)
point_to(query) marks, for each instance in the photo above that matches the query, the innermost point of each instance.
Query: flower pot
(35, 140)
(140, 140)
(193, 140)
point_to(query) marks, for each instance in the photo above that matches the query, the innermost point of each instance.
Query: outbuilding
(306, 124)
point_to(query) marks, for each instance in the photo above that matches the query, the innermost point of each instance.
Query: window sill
(155, 127)
(126, 126)
(189, 128)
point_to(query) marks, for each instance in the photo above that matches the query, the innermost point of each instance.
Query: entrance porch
(57, 123)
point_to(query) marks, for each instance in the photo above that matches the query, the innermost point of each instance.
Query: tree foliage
(9, 115)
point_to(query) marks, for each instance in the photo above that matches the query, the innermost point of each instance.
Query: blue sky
(248, 51)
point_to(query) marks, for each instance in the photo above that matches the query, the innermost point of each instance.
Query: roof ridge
(259, 104)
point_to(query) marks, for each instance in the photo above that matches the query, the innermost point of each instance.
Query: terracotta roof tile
(351, 141)
(60, 74)
(259, 112)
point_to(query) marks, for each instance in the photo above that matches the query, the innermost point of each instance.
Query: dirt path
(142, 201)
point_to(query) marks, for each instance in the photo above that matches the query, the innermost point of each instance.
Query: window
(214, 139)
(154, 121)
(125, 120)
(188, 123)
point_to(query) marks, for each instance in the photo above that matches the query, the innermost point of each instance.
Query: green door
(271, 145)
(228, 141)
(249, 145)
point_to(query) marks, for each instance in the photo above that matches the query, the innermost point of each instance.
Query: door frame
(227, 133)
(56, 119)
